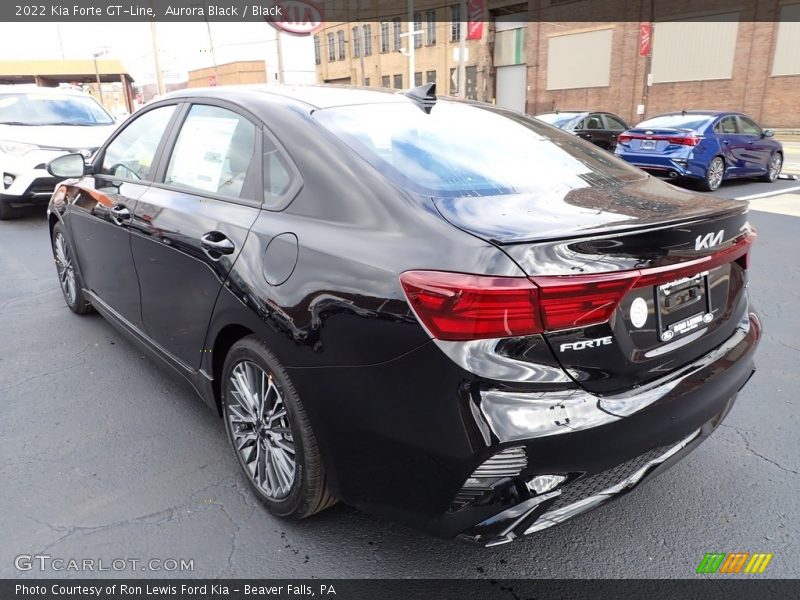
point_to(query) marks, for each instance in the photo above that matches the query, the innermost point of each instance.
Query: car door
(614, 126)
(732, 145)
(190, 226)
(592, 129)
(99, 218)
(757, 150)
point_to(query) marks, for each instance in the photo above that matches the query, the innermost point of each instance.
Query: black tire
(7, 211)
(773, 168)
(713, 178)
(308, 493)
(71, 289)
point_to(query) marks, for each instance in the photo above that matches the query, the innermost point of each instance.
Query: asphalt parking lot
(104, 455)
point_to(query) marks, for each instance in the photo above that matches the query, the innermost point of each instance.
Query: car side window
(130, 155)
(727, 126)
(615, 124)
(278, 176)
(594, 122)
(213, 152)
(749, 127)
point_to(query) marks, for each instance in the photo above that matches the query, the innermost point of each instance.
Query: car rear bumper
(672, 166)
(406, 450)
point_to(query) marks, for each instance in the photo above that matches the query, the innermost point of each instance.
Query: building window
(787, 59)
(580, 60)
(340, 35)
(678, 44)
(430, 77)
(418, 78)
(431, 34)
(386, 81)
(367, 40)
(317, 56)
(385, 37)
(398, 82)
(455, 22)
(397, 29)
(366, 81)
(331, 48)
(417, 28)
(356, 42)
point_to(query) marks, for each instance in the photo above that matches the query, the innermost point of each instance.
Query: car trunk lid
(634, 281)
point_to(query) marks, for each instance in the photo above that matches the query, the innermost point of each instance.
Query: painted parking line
(768, 194)
(785, 204)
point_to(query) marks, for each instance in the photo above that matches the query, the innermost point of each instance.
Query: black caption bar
(315, 11)
(732, 588)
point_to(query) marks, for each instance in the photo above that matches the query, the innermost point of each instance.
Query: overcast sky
(183, 46)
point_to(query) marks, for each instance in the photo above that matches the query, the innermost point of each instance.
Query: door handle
(120, 213)
(726, 142)
(214, 241)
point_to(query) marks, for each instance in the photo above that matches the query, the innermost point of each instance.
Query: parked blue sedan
(703, 145)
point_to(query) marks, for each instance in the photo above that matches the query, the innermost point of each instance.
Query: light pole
(462, 44)
(412, 38)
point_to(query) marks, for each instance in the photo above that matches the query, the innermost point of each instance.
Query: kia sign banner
(476, 17)
(297, 17)
(645, 36)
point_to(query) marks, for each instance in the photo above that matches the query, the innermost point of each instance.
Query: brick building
(730, 55)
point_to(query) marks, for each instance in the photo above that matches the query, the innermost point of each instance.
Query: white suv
(36, 125)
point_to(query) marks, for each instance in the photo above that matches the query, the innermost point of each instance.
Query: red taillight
(684, 140)
(577, 300)
(456, 306)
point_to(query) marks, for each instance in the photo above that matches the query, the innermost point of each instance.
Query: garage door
(512, 83)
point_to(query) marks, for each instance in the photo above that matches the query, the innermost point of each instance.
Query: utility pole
(462, 46)
(213, 55)
(97, 76)
(156, 59)
(280, 55)
(648, 62)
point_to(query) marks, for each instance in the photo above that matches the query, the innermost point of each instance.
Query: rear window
(693, 122)
(466, 150)
(51, 109)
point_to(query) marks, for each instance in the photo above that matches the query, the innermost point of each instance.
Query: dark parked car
(478, 330)
(600, 128)
(705, 146)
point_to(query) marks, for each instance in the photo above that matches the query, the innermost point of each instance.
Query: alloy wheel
(715, 172)
(66, 270)
(261, 431)
(775, 166)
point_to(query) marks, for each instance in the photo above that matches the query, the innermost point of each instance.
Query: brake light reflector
(457, 306)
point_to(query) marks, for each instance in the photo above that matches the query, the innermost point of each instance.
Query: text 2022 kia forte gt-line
(446, 313)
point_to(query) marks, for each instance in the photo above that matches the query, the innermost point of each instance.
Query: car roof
(314, 96)
(30, 87)
(710, 113)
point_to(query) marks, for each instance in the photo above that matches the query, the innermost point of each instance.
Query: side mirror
(768, 133)
(69, 165)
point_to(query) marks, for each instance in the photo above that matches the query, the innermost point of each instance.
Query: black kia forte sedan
(444, 312)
